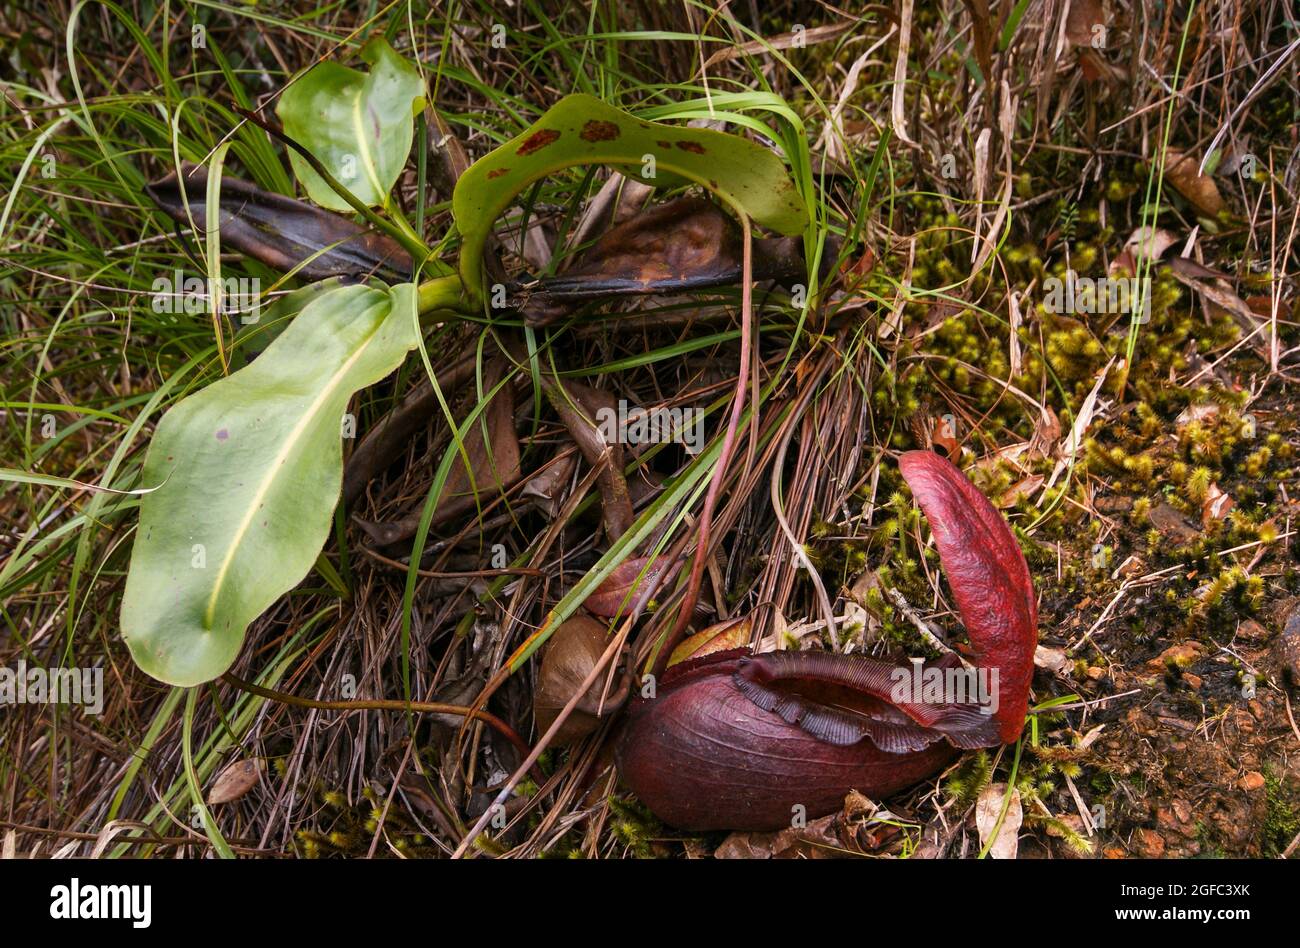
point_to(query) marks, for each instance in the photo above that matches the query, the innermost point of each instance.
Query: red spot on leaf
(536, 141)
(598, 131)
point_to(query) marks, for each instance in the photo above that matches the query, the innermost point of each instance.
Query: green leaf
(248, 471)
(358, 125)
(582, 130)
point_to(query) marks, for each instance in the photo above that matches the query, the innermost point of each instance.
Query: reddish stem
(724, 458)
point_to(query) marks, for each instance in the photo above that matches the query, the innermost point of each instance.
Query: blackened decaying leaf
(685, 244)
(281, 232)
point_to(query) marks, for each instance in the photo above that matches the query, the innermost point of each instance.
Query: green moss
(1282, 821)
(968, 780)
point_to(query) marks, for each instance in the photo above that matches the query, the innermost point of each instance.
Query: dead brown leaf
(1172, 525)
(1201, 411)
(1217, 505)
(281, 232)
(987, 810)
(628, 588)
(1183, 172)
(794, 39)
(733, 633)
(1054, 660)
(235, 781)
(1025, 487)
(1082, 21)
(943, 433)
(548, 484)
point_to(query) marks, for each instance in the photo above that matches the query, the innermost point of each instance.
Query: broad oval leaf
(358, 125)
(582, 130)
(248, 472)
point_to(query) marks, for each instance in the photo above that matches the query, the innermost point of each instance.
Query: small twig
(387, 704)
(903, 606)
(615, 645)
(1289, 716)
(467, 574)
(1094, 702)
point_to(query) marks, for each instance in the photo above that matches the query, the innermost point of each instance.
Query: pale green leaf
(248, 472)
(359, 125)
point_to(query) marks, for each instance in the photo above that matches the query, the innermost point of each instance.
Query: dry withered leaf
(1082, 419)
(235, 781)
(494, 457)
(626, 588)
(450, 160)
(943, 432)
(618, 199)
(1147, 243)
(1097, 69)
(1261, 304)
(572, 651)
(281, 232)
(1221, 294)
(746, 845)
(1025, 487)
(800, 38)
(1201, 411)
(1216, 287)
(582, 409)
(733, 633)
(1085, 22)
(987, 810)
(547, 485)
(385, 442)
(852, 831)
(493, 461)
(684, 244)
(1183, 172)
(1054, 660)
(1047, 431)
(1217, 505)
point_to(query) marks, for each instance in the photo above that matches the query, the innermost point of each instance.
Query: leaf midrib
(357, 124)
(265, 486)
